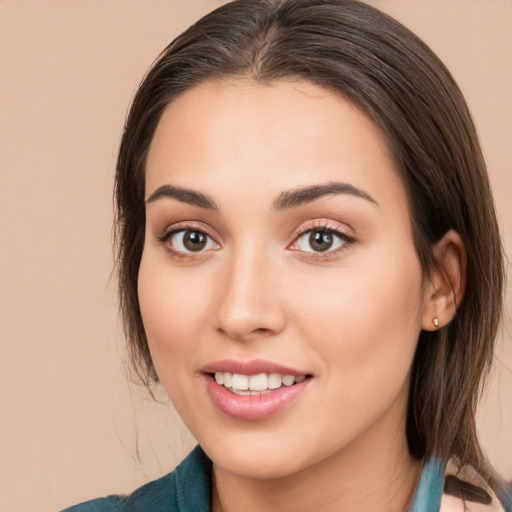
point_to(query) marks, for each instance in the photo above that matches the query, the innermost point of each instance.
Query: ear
(445, 288)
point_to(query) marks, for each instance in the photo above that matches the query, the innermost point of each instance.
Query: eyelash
(325, 227)
(164, 239)
(318, 226)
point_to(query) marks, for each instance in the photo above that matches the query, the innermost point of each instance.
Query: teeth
(240, 382)
(288, 380)
(254, 384)
(274, 381)
(258, 382)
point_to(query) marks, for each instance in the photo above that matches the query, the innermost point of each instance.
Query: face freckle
(345, 311)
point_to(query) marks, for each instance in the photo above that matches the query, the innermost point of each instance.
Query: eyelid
(183, 226)
(323, 225)
(173, 229)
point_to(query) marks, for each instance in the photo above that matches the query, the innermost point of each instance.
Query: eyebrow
(308, 194)
(288, 199)
(184, 195)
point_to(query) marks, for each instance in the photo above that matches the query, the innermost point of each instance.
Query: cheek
(172, 309)
(365, 322)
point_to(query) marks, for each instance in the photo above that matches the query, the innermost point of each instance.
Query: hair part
(357, 51)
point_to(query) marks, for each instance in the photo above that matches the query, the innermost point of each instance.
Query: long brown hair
(363, 54)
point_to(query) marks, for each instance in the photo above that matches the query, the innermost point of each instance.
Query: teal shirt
(187, 489)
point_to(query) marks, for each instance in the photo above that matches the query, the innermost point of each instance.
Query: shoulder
(456, 489)
(186, 488)
(158, 496)
(464, 487)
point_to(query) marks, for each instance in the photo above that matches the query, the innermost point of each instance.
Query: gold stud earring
(436, 322)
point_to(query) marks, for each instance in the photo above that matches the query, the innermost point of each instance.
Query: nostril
(261, 330)
(244, 332)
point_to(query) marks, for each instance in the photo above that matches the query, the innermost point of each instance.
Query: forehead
(232, 134)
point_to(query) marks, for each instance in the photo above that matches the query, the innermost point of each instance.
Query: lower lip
(253, 407)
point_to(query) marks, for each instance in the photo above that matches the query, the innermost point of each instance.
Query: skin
(350, 317)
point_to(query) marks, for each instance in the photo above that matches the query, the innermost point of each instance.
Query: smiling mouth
(259, 384)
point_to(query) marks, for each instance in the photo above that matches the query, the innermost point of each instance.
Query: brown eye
(320, 241)
(190, 240)
(194, 240)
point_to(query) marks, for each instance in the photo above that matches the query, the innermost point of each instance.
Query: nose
(248, 305)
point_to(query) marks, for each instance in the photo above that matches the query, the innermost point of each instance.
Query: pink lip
(253, 367)
(252, 407)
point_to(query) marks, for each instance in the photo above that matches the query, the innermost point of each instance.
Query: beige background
(71, 427)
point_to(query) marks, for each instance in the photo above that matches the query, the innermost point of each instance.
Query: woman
(310, 264)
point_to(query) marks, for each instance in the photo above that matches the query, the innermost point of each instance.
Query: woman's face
(279, 247)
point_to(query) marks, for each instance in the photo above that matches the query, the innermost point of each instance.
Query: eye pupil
(320, 241)
(194, 240)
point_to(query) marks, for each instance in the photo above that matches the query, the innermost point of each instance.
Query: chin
(252, 458)
(255, 467)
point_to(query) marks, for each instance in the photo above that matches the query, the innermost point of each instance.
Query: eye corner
(321, 239)
(187, 240)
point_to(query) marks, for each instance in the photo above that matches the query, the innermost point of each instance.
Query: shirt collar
(194, 483)
(430, 488)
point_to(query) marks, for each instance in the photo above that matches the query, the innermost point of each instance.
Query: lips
(253, 390)
(252, 367)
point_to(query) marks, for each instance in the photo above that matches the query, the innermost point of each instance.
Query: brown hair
(354, 49)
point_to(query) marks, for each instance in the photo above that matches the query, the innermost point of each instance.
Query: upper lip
(253, 367)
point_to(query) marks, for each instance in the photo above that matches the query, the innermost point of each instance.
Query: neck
(376, 472)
